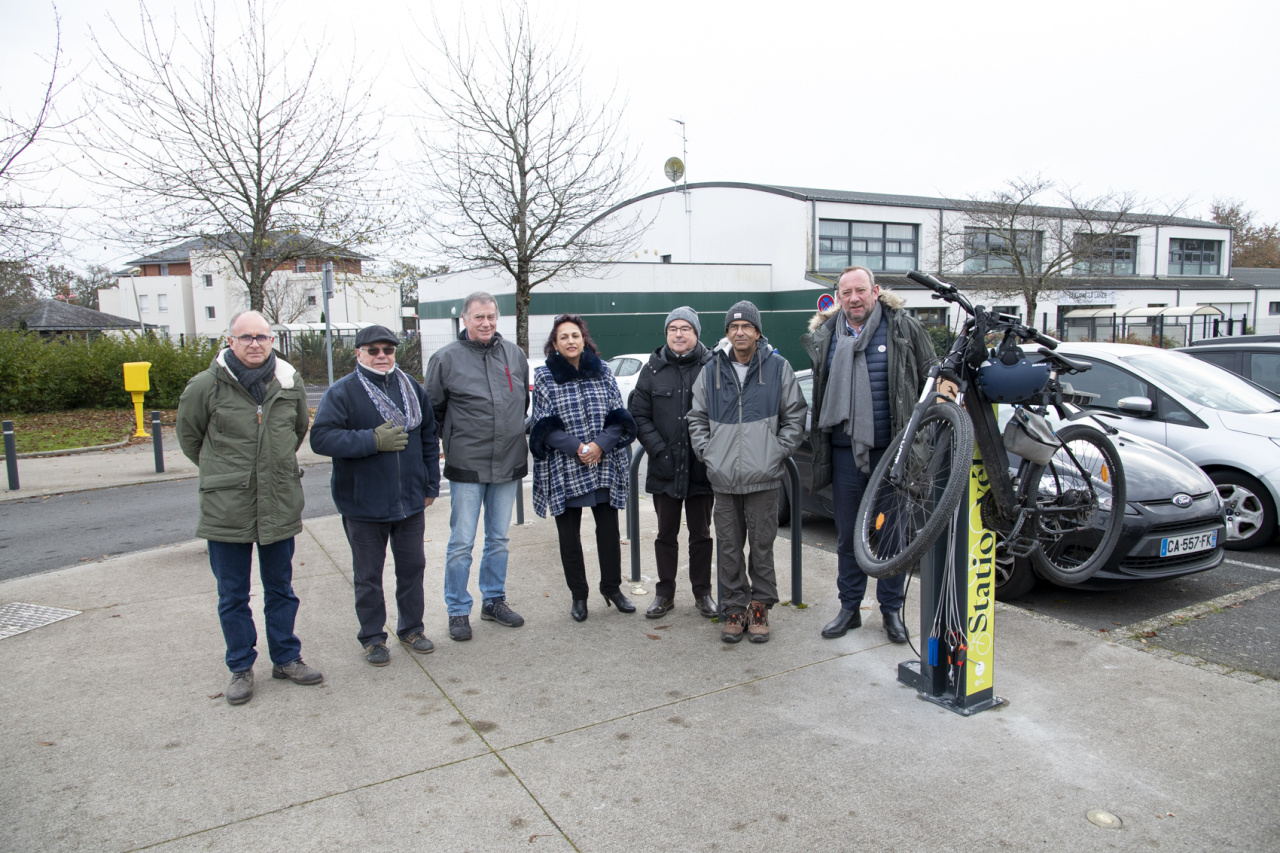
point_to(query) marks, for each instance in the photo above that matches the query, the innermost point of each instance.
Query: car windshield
(1203, 383)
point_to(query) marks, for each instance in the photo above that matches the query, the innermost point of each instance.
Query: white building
(783, 247)
(192, 290)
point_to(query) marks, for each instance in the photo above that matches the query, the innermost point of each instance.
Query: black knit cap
(744, 310)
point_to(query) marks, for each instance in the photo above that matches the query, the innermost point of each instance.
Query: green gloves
(390, 437)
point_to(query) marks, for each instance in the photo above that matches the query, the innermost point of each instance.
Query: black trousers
(666, 547)
(368, 541)
(608, 546)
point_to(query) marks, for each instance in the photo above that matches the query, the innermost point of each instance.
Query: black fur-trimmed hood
(589, 367)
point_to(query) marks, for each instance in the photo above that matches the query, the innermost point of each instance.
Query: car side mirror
(1135, 405)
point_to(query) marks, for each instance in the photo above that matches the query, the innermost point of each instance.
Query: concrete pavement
(620, 733)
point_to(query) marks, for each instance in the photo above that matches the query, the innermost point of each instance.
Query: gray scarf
(253, 379)
(847, 403)
(411, 417)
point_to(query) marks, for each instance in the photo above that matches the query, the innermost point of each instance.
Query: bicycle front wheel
(1079, 501)
(899, 519)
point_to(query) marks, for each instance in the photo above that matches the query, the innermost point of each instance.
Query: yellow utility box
(137, 382)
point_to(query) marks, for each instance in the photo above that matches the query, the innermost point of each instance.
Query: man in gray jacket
(747, 419)
(479, 390)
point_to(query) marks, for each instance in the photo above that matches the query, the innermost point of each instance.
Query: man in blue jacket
(378, 426)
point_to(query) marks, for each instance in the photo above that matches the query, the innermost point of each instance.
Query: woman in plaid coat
(579, 438)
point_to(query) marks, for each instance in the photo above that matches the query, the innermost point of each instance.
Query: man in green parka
(242, 421)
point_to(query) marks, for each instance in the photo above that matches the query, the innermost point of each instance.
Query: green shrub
(44, 375)
(942, 339)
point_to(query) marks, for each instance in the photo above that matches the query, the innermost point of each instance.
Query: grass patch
(46, 431)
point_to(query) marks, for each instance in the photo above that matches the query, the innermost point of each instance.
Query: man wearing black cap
(378, 426)
(660, 405)
(747, 419)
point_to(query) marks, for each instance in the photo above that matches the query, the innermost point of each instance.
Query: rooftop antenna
(675, 172)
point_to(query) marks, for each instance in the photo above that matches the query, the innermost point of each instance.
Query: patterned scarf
(387, 408)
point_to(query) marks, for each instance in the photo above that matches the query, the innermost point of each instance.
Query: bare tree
(265, 159)
(286, 298)
(29, 221)
(522, 163)
(1009, 243)
(1254, 245)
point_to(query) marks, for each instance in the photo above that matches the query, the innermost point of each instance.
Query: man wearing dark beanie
(676, 479)
(747, 418)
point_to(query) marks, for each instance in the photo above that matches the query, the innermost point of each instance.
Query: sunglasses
(386, 350)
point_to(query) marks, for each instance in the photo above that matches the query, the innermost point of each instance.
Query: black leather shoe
(659, 607)
(579, 610)
(845, 620)
(707, 607)
(894, 628)
(620, 601)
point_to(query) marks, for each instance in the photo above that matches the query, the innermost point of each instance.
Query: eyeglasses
(253, 339)
(682, 329)
(387, 350)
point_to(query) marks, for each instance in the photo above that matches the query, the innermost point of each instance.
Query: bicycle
(1064, 508)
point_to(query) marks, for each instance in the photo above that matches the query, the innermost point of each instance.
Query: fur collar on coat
(888, 299)
(589, 367)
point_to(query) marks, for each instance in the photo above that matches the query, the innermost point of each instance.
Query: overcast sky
(1172, 100)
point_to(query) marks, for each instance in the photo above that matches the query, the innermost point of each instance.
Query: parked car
(1167, 497)
(1255, 360)
(626, 371)
(1221, 422)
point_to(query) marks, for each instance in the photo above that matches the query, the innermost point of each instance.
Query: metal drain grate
(16, 617)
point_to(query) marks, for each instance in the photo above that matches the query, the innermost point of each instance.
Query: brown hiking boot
(731, 631)
(758, 622)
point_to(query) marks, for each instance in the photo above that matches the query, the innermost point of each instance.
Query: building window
(209, 313)
(301, 265)
(164, 269)
(144, 306)
(164, 330)
(1105, 254)
(874, 245)
(311, 299)
(992, 252)
(1273, 308)
(162, 302)
(930, 318)
(208, 281)
(1194, 257)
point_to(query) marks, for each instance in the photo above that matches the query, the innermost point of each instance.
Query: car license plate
(1176, 545)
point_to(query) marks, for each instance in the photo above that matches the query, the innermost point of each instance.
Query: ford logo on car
(1182, 500)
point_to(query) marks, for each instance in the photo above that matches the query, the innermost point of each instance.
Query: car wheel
(1014, 575)
(1251, 515)
(784, 505)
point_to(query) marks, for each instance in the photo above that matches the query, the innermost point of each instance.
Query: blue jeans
(847, 486)
(465, 502)
(231, 563)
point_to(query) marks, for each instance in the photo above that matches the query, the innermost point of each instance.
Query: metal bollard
(11, 455)
(156, 442)
(797, 539)
(633, 514)
(520, 501)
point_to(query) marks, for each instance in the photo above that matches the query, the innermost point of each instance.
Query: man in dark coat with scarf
(378, 426)
(870, 362)
(660, 405)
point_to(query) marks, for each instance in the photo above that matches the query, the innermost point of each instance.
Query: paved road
(48, 533)
(1229, 615)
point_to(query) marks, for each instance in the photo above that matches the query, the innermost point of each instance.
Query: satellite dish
(673, 169)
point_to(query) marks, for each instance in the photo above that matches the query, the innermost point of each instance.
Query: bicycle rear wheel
(1079, 500)
(898, 521)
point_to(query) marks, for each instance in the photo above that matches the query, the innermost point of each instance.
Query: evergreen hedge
(44, 375)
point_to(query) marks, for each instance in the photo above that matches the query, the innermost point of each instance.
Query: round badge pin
(881, 348)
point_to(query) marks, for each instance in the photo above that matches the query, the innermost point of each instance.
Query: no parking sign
(826, 302)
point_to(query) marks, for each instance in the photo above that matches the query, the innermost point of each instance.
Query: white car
(626, 371)
(1222, 423)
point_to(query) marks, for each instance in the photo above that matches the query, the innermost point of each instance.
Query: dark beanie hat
(744, 310)
(375, 334)
(684, 312)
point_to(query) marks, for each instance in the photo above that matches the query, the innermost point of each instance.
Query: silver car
(1226, 425)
